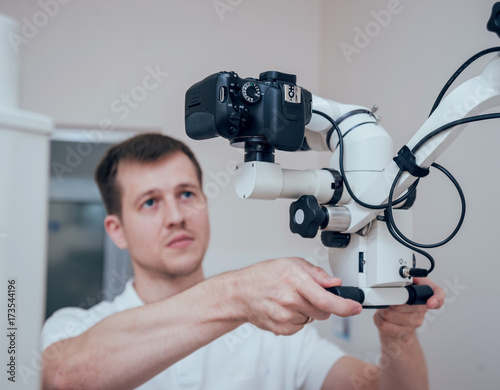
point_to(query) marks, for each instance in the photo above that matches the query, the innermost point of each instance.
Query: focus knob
(494, 22)
(307, 216)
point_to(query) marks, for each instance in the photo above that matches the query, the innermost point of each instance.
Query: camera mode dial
(250, 92)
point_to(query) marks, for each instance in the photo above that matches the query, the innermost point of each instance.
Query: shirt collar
(129, 298)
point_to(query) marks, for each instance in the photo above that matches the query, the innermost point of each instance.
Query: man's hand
(402, 363)
(400, 321)
(281, 295)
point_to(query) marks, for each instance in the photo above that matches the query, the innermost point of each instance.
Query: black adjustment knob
(307, 216)
(335, 239)
(494, 22)
(250, 92)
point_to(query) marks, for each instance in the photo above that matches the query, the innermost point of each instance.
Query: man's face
(164, 218)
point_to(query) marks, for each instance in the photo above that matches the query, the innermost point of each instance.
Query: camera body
(272, 108)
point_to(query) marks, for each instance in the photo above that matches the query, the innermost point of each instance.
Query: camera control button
(250, 92)
(234, 119)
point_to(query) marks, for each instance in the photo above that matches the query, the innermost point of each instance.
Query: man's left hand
(402, 320)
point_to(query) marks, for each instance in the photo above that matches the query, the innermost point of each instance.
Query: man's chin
(183, 266)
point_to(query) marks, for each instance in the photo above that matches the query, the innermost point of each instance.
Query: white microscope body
(372, 260)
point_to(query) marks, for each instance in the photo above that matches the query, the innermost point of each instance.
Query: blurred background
(104, 71)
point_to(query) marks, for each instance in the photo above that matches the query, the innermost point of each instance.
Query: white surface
(24, 148)
(9, 75)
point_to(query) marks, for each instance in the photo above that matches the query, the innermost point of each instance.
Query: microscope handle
(418, 294)
(384, 297)
(354, 293)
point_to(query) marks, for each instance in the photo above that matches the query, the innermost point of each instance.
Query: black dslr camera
(265, 114)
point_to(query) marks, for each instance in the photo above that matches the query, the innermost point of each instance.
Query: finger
(400, 316)
(309, 310)
(318, 274)
(306, 320)
(409, 308)
(326, 301)
(387, 328)
(437, 299)
(321, 277)
(287, 305)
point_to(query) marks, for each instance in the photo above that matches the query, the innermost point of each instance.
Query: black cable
(390, 217)
(391, 225)
(449, 125)
(403, 198)
(415, 249)
(457, 73)
(388, 207)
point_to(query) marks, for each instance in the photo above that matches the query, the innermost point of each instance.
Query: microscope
(362, 202)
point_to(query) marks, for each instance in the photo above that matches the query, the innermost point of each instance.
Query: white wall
(86, 54)
(79, 64)
(402, 68)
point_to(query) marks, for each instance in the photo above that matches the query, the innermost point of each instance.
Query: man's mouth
(180, 241)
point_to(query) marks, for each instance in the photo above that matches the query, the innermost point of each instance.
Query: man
(170, 327)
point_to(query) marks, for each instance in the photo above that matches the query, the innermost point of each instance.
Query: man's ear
(114, 228)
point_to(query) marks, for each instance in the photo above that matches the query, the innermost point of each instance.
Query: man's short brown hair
(144, 148)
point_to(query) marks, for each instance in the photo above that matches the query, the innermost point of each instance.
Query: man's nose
(173, 213)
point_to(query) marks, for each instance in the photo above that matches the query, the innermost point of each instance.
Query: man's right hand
(276, 295)
(281, 295)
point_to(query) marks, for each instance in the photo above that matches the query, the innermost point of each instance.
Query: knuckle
(417, 319)
(318, 270)
(389, 314)
(283, 331)
(384, 326)
(283, 317)
(287, 300)
(321, 302)
(322, 316)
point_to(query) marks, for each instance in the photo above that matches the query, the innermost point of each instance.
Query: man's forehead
(133, 172)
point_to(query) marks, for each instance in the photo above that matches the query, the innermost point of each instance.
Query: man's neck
(156, 287)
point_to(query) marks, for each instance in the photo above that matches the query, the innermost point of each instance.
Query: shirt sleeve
(318, 356)
(72, 322)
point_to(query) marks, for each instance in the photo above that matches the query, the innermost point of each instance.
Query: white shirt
(246, 358)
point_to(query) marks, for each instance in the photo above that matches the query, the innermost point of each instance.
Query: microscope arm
(368, 151)
(369, 169)
(474, 96)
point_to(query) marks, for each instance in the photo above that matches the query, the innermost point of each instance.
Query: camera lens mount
(256, 148)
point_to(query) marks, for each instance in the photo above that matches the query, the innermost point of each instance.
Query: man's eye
(187, 194)
(149, 203)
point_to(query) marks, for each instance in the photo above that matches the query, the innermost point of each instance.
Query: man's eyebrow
(187, 185)
(146, 193)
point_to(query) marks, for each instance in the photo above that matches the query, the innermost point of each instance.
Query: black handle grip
(418, 295)
(354, 293)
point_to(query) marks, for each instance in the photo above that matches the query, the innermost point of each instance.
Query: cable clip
(406, 162)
